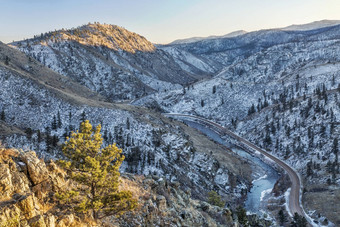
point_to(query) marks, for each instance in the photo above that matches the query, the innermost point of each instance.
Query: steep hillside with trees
(110, 60)
(42, 108)
(282, 93)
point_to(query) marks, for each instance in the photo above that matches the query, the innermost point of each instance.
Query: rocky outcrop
(165, 204)
(28, 185)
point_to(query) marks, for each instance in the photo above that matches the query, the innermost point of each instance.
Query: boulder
(28, 206)
(37, 171)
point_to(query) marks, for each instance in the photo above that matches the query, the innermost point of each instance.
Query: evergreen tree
(252, 109)
(309, 168)
(39, 136)
(65, 134)
(335, 151)
(202, 102)
(242, 216)
(2, 115)
(298, 221)
(59, 122)
(7, 60)
(96, 170)
(215, 199)
(282, 217)
(214, 89)
(29, 133)
(48, 142)
(55, 140)
(128, 123)
(54, 123)
(83, 116)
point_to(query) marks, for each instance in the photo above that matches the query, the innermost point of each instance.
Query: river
(266, 177)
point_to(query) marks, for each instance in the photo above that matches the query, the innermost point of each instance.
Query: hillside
(277, 88)
(41, 109)
(108, 59)
(280, 91)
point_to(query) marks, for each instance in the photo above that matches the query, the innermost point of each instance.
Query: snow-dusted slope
(312, 25)
(278, 89)
(47, 107)
(110, 60)
(269, 77)
(223, 52)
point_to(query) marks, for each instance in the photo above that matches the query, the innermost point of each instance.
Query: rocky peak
(96, 34)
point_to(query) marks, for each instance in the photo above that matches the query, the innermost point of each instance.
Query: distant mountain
(294, 27)
(224, 52)
(110, 60)
(312, 25)
(195, 39)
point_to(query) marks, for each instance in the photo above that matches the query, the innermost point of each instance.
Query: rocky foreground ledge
(27, 198)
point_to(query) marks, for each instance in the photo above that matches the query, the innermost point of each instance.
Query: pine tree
(298, 221)
(242, 216)
(39, 136)
(2, 115)
(48, 142)
(252, 109)
(215, 199)
(202, 102)
(55, 140)
(96, 170)
(128, 123)
(29, 133)
(282, 217)
(214, 89)
(83, 116)
(59, 122)
(7, 60)
(54, 123)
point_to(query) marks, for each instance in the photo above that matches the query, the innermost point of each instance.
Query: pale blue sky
(160, 21)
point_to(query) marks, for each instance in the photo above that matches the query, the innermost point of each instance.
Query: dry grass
(138, 192)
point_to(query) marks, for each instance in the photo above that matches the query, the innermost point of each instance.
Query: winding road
(294, 203)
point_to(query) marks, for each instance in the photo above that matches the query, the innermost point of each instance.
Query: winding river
(267, 176)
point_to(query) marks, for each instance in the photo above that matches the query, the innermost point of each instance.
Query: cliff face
(28, 185)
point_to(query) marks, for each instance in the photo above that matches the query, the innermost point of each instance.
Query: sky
(160, 21)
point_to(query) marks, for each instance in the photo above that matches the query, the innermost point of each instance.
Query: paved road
(294, 196)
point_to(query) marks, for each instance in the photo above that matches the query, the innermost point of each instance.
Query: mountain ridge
(96, 34)
(294, 27)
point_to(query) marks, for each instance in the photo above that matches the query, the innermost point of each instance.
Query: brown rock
(9, 215)
(37, 221)
(50, 220)
(6, 187)
(28, 206)
(20, 182)
(37, 170)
